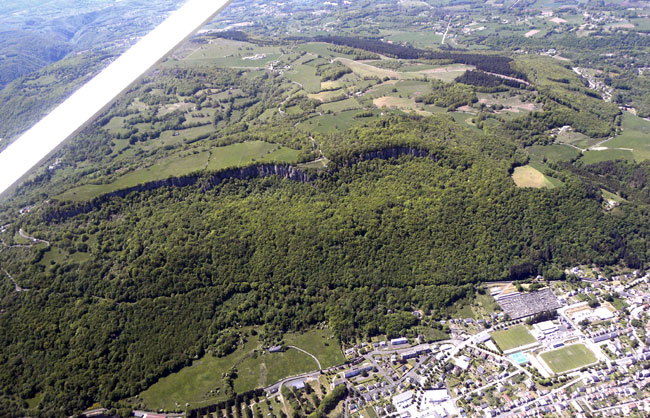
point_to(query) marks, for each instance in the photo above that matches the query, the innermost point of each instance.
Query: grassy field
(320, 48)
(528, 176)
(420, 38)
(447, 73)
(243, 153)
(193, 384)
(327, 96)
(334, 123)
(255, 367)
(514, 337)
(305, 75)
(576, 139)
(340, 106)
(591, 157)
(405, 104)
(611, 196)
(553, 153)
(215, 159)
(54, 256)
(568, 358)
(266, 368)
(635, 135)
(321, 344)
(228, 53)
(485, 304)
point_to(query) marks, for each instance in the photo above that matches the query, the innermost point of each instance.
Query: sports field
(568, 358)
(514, 337)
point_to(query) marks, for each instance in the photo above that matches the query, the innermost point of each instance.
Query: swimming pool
(519, 358)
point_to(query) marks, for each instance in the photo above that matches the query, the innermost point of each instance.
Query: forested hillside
(350, 169)
(374, 237)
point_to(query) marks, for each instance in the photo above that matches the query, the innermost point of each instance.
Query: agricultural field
(513, 337)
(575, 139)
(635, 137)
(217, 158)
(591, 157)
(444, 73)
(568, 358)
(233, 54)
(404, 104)
(329, 123)
(513, 103)
(553, 153)
(305, 76)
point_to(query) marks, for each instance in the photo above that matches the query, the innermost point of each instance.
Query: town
(573, 348)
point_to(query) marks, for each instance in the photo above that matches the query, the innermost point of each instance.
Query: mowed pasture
(528, 176)
(217, 158)
(513, 337)
(568, 358)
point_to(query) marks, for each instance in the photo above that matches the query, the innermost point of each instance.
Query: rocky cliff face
(263, 170)
(388, 153)
(209, 181)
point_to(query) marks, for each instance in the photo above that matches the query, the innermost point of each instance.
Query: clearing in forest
(528, 176)
(404, 104)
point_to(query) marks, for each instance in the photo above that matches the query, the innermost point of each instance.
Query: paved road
(32, 239)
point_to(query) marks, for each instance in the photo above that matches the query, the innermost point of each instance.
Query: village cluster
(574, 348)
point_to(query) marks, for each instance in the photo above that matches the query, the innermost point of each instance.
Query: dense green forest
(334, 171)
(358, 242)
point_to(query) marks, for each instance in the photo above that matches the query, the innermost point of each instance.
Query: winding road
(32, 239)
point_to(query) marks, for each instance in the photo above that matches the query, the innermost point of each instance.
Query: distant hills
(36, 34)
